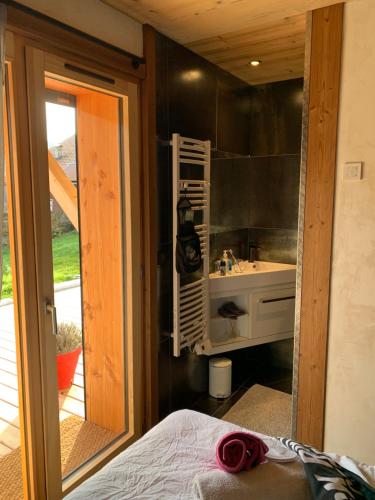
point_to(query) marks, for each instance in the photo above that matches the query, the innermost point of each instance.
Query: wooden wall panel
(325, 63)
(101, 257)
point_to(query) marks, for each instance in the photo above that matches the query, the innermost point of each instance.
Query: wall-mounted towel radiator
(191, 178)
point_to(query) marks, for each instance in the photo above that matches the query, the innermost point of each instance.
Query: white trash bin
(220, 377)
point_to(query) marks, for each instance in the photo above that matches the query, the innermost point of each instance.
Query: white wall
(96, 19)
(350, 401)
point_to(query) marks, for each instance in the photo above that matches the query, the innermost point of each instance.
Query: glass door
(85, 165)
(12, 426)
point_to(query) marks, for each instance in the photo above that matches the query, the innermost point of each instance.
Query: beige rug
(264, 410)
(80, 440)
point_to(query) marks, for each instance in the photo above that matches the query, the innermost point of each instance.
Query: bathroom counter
(265, 292)
(253, 274)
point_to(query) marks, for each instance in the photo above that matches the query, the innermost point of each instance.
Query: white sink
(253, 274)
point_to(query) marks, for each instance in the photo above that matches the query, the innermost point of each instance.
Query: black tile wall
(230, 181)
(255, 192)
(162, 90)
(251, 198)
(273, 188)
(275, 245)
(260, 194)
(192, 94)
(276, 118)
(233, 115)
(164, 375)
(198, 99)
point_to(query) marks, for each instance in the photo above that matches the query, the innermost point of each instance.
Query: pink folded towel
(239, 451)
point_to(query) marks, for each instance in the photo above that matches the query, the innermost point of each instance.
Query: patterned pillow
(327, 478)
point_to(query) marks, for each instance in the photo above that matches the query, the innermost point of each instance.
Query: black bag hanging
(188, 246)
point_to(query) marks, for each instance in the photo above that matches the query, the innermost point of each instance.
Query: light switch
(353, 171)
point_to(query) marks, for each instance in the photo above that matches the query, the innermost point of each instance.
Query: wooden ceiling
(231, 33)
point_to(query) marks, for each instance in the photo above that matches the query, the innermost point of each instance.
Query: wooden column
(325, 63)
(149, 187)
(100, 206)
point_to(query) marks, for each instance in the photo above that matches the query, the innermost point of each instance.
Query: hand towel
(239, 451)
(269, 481)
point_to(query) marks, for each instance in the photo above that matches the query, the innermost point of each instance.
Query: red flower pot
(66, 367)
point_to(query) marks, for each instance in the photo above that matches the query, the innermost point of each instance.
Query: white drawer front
(272, 312)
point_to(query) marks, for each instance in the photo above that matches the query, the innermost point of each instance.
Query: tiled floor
(276, 378)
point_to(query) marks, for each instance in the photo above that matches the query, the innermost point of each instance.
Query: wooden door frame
(321, 103)
(22, 232)
(319, 144)
(38, 64)
(24, 32)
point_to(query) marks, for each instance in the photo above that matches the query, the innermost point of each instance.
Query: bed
(164, 463)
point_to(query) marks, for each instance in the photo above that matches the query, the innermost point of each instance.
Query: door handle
(51, 309)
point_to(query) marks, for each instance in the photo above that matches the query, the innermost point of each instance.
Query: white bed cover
(163, 463)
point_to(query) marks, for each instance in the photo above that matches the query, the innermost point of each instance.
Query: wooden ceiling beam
(63, 190)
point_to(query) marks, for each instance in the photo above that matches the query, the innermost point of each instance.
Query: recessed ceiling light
(255, 63)
(192, 75)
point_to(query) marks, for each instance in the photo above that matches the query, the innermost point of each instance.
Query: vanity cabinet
(269, 306)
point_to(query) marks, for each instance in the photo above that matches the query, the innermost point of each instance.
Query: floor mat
(264, 410)
(80, 440)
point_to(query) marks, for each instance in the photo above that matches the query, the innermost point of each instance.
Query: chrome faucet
(253, 251)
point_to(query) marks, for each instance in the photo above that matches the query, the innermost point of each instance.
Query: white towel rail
(190, 301)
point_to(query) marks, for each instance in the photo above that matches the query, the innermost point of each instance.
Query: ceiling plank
(231, 33)
(264, 31)
(259, 50)
(189, 20)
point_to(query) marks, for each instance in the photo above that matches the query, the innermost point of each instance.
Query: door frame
(25, 293)
(31, 36)
(40, 64)
(318, 170)
(321, 105)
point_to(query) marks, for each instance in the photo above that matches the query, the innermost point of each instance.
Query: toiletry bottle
(225, 259)
(218, 266)
(230, 263)
(222, 267)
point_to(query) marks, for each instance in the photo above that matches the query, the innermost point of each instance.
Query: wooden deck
(71, 402)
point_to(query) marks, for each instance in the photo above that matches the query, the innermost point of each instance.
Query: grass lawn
(65, 249)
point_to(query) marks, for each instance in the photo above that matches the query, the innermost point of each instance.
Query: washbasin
(253, 274)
